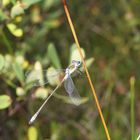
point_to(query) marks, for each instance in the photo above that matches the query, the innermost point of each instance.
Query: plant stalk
(85, 67)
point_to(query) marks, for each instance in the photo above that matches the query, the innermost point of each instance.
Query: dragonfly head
(77, 63)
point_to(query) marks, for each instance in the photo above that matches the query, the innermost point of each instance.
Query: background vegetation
(35, 33)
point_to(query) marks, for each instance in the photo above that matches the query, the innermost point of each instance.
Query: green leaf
(88, 63)
(19, 72)
(1, 62)
(20, 91)
(5, 101)
(17, 10)
(18, 32)
(32, 133)
(55, 79)
(28, 3)
(2, 16)
(14, 1)
(41, 93)
(5, 2)
(52, 24)
(35, 76)
(50, 3)
(56, 131)
(74, 53)
(53, 56)
(54, 15)
(67, 99)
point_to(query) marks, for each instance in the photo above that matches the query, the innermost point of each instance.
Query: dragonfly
(68, 85)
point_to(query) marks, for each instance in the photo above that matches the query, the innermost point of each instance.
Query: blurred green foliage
(35, 34)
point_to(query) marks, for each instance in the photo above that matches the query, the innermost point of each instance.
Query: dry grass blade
(84, 64)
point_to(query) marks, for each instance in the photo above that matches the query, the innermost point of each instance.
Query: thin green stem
(7, 43)
(132, 103)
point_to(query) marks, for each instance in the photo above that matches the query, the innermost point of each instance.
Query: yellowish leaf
(5, 2)
(17, 10)
(20, 91)
(75, 53)
(41, 93)
(32, 133)
(5, 101)
(18, 32)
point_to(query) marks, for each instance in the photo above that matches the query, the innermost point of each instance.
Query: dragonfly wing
(41, 77)
(72, 91)
(77, 73)
(35, 77)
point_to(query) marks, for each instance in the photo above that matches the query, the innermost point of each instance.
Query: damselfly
(68, 84)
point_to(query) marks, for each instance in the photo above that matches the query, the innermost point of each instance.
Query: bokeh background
(35, 34)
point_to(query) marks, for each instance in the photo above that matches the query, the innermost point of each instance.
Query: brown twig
(84, 64)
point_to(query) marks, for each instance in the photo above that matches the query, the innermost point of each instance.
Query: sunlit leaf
(5, 101)
(37, 65)
(35, 75)
(55, 128)
(40, 75)
(18, 19)
(14, 1)
(41, 93)
(68, 100)
(55, 14)
(20, 91)
(1, 62)
(88, 63)
(75, 53)
(53, 80)
(53, 56)
(14, 30)
(34, 78)
(5, 2)
(20, 59)
(32, 133)
(17, 10)
(8, 61)
(28, 3)
(19, 72)
(52, 23)
(18, 32)
(50, 3)
(35, 15)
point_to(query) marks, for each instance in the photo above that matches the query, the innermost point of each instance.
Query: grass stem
(132, 103)
(84, 64)
(7, 42)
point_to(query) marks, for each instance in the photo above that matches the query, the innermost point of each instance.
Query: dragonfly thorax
(76, 63)
(69, 71)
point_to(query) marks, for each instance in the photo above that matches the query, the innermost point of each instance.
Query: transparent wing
(42, 77)
(72, 91)
(77, 73)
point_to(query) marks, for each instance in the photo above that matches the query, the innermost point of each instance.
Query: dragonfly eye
(78, 63)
